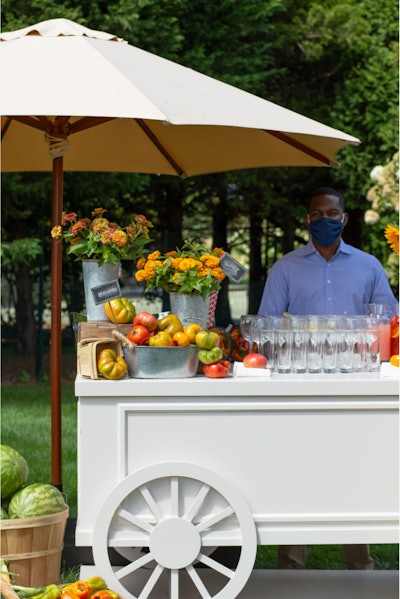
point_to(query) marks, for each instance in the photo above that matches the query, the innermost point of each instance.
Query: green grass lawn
(26, 426)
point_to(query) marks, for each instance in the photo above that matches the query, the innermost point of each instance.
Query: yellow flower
(56, 232)
(392, 237)
(190, 269)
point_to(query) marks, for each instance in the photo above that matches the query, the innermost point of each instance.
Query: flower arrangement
(190, 269)
(103, 240)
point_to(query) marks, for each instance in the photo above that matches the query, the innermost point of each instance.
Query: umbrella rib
(88, 123)
(302, 147)
(5, 126)
(146, 129)
(31, 121)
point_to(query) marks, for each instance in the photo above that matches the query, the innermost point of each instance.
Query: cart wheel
(176, 512)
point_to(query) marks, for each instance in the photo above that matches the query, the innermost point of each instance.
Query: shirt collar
(309, 249)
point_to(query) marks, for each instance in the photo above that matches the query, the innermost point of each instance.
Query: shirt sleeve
(274, 301)
(382, 292)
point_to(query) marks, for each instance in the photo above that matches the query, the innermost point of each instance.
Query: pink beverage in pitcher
(384, 341)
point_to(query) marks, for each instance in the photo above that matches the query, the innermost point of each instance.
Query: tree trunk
(25, 322)
(174, 195)
(256, 282)
(220, 239)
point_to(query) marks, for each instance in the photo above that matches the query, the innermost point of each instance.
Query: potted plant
(190, 274)
(101, 245)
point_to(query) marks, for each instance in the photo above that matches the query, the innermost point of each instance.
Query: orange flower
(101, 239)
(120, 238)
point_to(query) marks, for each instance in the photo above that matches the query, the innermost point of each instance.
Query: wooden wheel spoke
(134, 520)
(208, 522)
(174, 496)
(138, 563)
(174, 584)
(197, 503)
(198, 583)
(149, 499)
(214, 565)
(150, 584)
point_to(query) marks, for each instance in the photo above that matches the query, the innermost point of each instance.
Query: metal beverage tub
(146, 362)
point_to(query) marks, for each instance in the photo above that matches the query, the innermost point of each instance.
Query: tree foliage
(333, 60)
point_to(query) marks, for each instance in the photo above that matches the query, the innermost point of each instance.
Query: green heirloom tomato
(207, 339)
(120, 310)
(110, 365)
(210, 356)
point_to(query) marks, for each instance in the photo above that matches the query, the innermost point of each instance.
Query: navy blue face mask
(325, 231)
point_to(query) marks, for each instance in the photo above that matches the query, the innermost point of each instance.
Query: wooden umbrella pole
(55, 335)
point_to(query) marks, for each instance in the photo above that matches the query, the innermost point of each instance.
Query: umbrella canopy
(156, 116)
(101, 104)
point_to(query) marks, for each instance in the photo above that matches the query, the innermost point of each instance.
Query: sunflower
(392, 237)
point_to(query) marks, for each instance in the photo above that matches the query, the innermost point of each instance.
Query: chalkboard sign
(106, 292)
(232, 268)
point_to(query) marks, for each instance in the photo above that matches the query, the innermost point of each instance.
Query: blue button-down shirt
(303, 282)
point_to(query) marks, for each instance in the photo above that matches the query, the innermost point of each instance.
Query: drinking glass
(256, 332)
(346, 343)
(283, 344)
(315, 343)
(329, 343)
(372, 336)
(267, 342)
(246, 330)
(299, 326)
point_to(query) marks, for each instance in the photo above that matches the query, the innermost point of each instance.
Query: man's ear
(345, 219)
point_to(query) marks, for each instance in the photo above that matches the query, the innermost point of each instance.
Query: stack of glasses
(314, 344)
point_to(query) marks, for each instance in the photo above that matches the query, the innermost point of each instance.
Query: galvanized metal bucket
(147, 362)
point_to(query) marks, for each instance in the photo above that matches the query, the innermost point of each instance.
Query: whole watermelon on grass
(14, 471)
(38, 499)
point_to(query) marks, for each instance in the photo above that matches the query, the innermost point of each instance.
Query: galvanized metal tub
(147, 362)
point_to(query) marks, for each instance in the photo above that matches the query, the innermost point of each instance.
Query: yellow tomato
(395, 360)
(181, 338)
(161, 339)
(191, 330)
(169, 324)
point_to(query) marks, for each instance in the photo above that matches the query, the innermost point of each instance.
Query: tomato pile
(217, 346)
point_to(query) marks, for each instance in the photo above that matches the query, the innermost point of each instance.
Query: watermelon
(3, 514)
(14, 471)
(38, 499)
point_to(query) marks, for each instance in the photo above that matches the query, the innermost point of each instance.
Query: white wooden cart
(169, 470)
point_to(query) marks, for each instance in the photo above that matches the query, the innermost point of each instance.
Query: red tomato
(139, 334)
(147, 320)
(255, 361)
(218, 370)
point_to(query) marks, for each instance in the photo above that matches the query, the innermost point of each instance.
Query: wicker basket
(32, 547)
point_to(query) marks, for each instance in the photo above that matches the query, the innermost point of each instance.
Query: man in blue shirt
(326, 276)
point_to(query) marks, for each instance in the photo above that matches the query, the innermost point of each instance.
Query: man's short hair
(326, 191)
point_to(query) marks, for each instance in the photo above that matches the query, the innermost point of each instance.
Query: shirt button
(328, 281)
(329, 299)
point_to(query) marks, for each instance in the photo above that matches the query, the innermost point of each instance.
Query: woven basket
(32, 547)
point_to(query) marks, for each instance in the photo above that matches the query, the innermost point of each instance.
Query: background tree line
(333, 60)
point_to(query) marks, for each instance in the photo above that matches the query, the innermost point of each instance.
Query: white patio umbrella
(81, 100)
